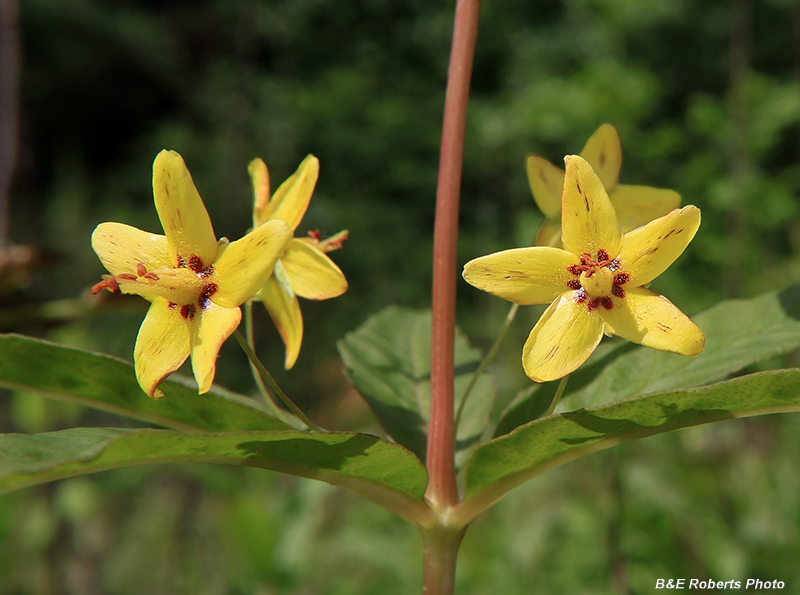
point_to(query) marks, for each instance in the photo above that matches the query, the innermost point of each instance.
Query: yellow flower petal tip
(304, 268)
(634, 205)
(596, 283)
(194, 283)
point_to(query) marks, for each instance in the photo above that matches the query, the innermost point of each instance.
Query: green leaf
(107, 383)
(738, 333)
(388, 360)
(500, 465)
(380, 471)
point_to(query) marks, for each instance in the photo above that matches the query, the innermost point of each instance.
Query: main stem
(442, 492)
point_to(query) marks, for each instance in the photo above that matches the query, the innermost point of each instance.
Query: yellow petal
(603, 151)
(259, 178)
(291, 199)
(284, 309)
(652, 320)
(564, 337)
(546, 182)
(246, 264)
(549, 233)
(638, 205)
(311, 273)
(523, 275)
(181, 210)
(588, 220)
(121, 247)
(649, 250)
(162, 345)
(210, 327)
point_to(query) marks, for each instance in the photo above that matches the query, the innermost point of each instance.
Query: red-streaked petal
(650, 319)
(163, 344)
(312, 274)
(525, 276)
(588, 221)
(209, 328)
(564, 337)
(649, 250)
(246, 264)
(546, 182)
(181, 210)
(291, 199)
(284, 309)
(121, 248)
(603, 151)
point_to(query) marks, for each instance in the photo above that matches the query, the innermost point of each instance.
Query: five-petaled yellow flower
(596, 283)
(194, 283)
(304, 269)
(634, 205)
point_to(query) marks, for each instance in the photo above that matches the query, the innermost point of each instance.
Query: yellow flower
(194, 283)
(635, 205)
(596, 283)
(304, 269)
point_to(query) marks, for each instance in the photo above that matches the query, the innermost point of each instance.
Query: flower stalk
(442, 491)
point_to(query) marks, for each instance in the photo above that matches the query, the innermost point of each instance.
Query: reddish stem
(442, 491)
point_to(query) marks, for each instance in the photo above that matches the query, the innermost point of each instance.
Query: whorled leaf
(388, 360)
(108, 383)
(380, 471)
(738, 333)
(497, 466)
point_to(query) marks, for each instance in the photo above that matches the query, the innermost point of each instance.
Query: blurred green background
(706, 97)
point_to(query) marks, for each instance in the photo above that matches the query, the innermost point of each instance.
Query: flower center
(599, 278)
(186, 288)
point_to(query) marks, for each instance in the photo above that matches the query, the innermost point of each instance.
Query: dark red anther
(172, 305)
(602, 255)
(574, 284)
(127, 276)
(621, 278)
(613, 265)
(206, 272)
(196, 263)
(315, 234)
(109, 283)
(188, 311)
(580, 295)
(151, 276)
(140, 269)
(209, 289)
(181, 262)
(618, 291)
(607, 302)
(592, 305)
(574, 269)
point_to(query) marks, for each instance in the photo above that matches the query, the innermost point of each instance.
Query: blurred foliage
(360, 83)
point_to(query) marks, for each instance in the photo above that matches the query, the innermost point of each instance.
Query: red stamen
(607, 302)
(151, 276)
(140, 270)
(196, 264)
(574, 284)
(315, 235)
(580, 295)
(621, 278)
(575, 269)
(602, 255)
(209, 289)
(618, 291)
(206, 272)
(181, 263)
(592, 305)
(127, 276)
(188, 311)
(172, 305)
